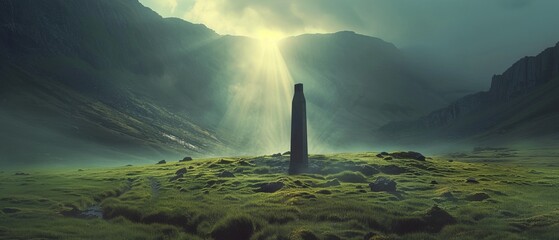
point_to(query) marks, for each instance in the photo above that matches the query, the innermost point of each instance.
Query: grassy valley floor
(489, 193)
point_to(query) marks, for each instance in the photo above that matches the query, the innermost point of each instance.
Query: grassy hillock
(485, 194)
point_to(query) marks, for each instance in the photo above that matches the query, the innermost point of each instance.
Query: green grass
(139, 202)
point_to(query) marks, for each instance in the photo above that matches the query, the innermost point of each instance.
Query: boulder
(408, 155)
(270, 187)
(181, 171)
(368, 170)
(332, 183)
(226, 174)
(162, 162)
(433, 221)
(186, 159)
(471, 180)
(477, 197)
(383, 184)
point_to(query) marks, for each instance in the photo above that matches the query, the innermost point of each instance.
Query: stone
(408, 155)
(276, 155)
(434, 182)
(384, 153)
(186, 159)
(388, 158)
(270, 187)
(162, 162)
(8, 210)
(448, 196)
(332, 183)
(436, 218)
(383, 184)
(299, 158)
(477, 197)
(380, 155)
(244, 163)
(471, 180)
(181, 171)
(324, 191)
(392, 169)
(287, 153)
(226, 174)
(433, 221)
(368, 170)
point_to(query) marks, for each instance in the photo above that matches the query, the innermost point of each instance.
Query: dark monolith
(299, 151)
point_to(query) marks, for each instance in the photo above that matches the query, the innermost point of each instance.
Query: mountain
(356, 83)
(83, 78)
(106, 80)
(520, 107)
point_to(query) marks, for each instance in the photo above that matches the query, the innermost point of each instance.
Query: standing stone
(299, 152)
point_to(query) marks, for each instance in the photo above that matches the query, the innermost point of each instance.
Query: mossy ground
(140, 202)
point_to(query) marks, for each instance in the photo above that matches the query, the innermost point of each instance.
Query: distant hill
(521, 107)
(112, 80)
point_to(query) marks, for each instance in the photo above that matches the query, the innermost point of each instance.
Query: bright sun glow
(269, 37)
(260, 105)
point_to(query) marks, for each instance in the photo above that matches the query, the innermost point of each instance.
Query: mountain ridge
(480, 115)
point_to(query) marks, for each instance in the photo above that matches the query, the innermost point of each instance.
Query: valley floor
(489, 193)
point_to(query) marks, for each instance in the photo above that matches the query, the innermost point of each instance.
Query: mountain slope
(113, 80)
(520, 107)
(356, 83)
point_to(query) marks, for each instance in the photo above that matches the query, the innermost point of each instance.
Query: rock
(276, 155)
(21, 174)
(226, 174)
(162, 162)
(383, 184)
(324, 191)
(368, 170)
(436, 218)
(388, 158)
(287, 153)
(191, 167)
(181, 171)
(332, 183)
(471, 180)
(434, 182)
(477, 197)
(433, 221)
(8, 210)
(223, 161)
(186, 159)
(384, 153)
(173, 178)
(270, 187)
(392, 169)
(448, 196)
(380, 155)
(244, 163)
(408, 155)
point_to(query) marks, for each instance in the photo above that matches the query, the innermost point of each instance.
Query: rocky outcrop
(521, 79)
(518, 80)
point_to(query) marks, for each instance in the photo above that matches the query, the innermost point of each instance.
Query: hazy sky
(477, 37)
